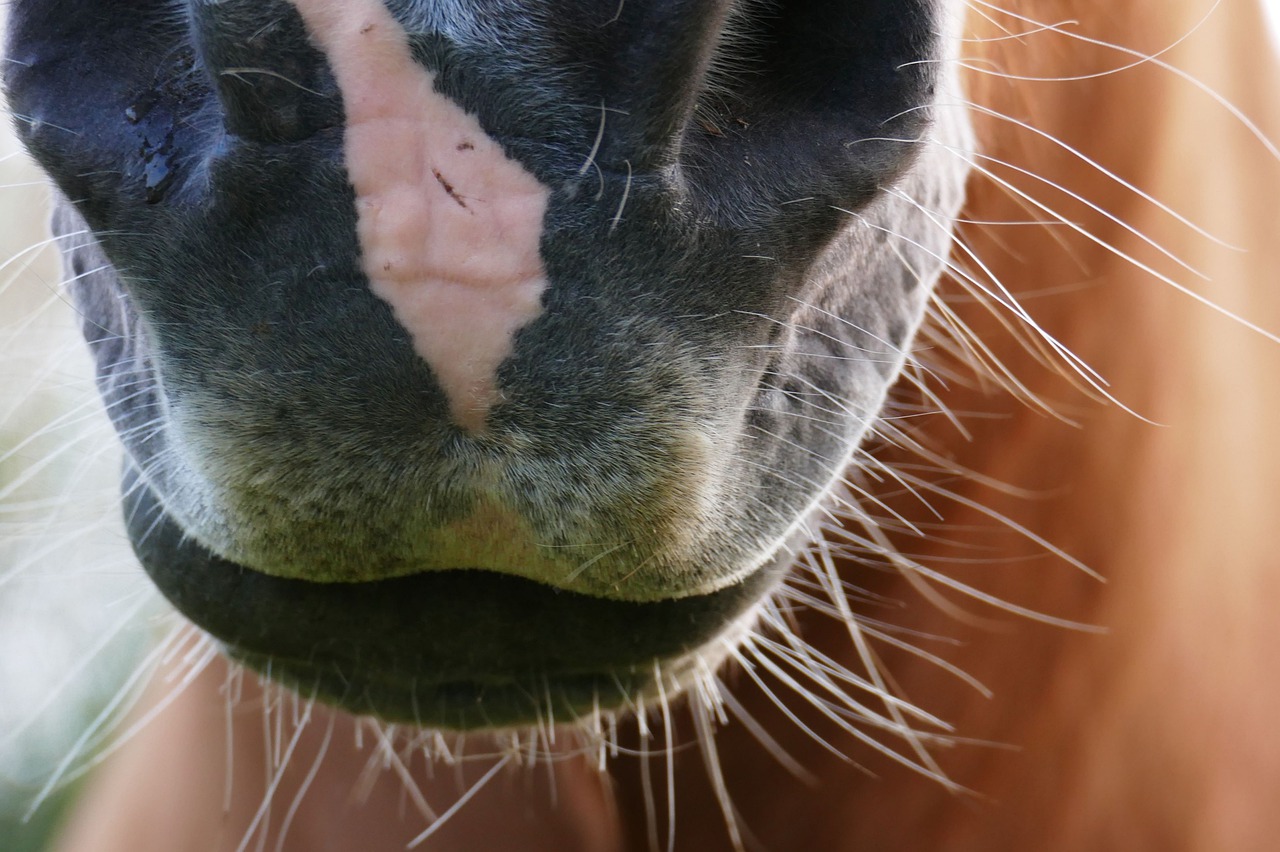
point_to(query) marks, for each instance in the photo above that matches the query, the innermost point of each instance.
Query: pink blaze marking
(449, 226)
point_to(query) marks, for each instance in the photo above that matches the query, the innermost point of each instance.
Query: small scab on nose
(448, 188)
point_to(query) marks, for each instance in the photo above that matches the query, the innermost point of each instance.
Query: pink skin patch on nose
(449, 226)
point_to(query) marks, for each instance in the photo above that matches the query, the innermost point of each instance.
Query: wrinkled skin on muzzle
(473, 359)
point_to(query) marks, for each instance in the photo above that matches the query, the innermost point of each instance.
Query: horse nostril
(674, 44)
(272, 84)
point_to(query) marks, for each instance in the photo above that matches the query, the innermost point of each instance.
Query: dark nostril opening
(864, 55)
(823, 97)
(272, 84)
(655, 73)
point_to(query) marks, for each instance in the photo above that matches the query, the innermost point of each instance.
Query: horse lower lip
(428, 647)
(455, 705)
